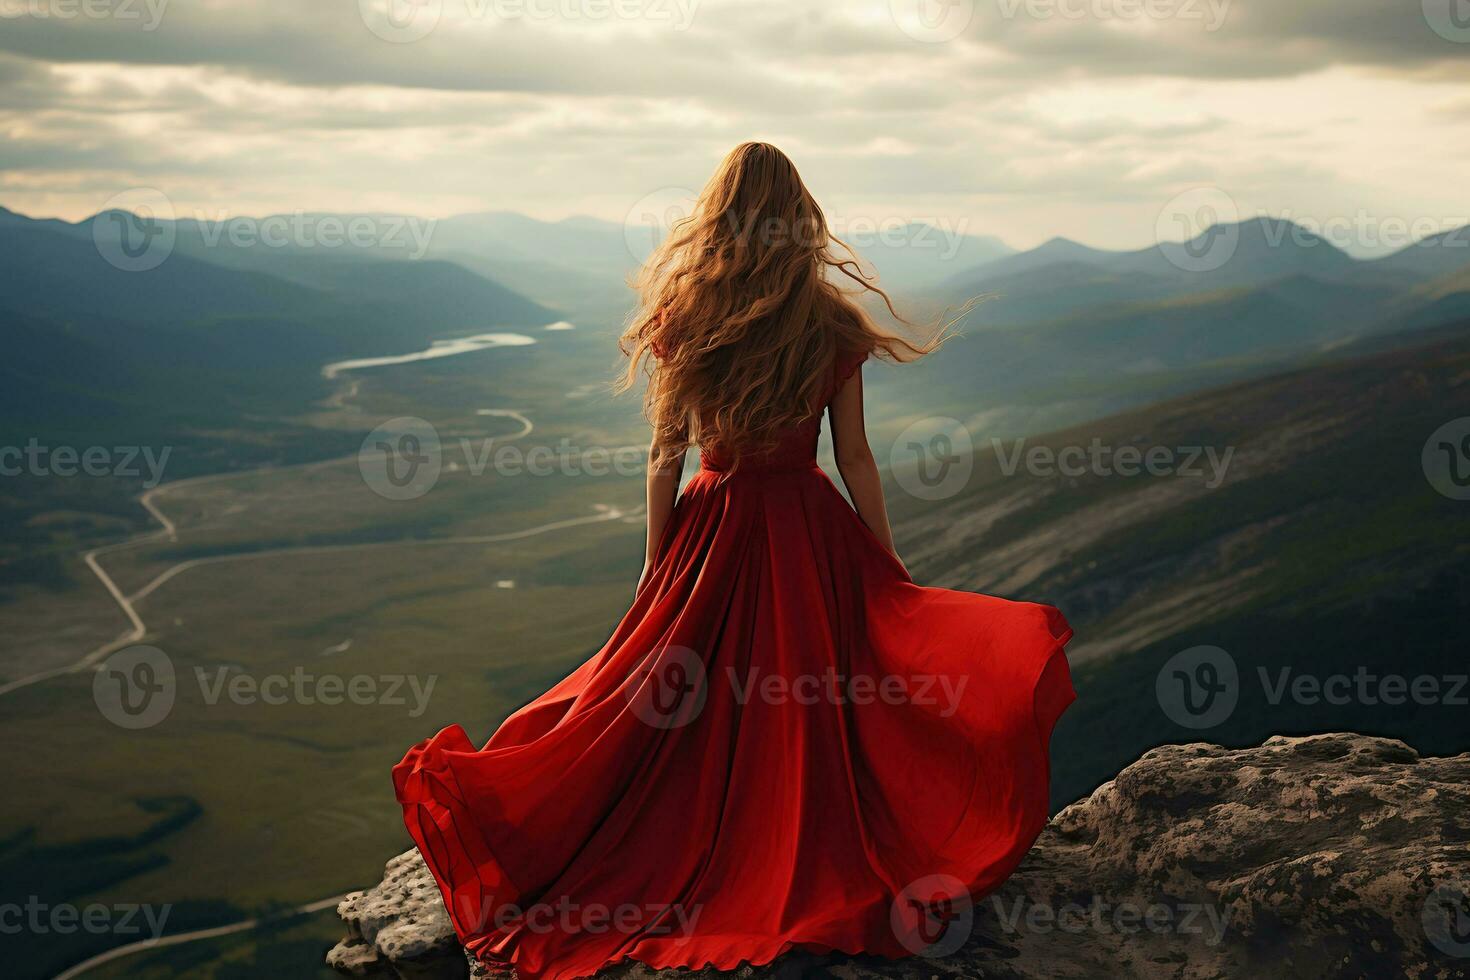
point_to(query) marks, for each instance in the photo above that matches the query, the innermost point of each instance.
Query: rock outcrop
(1332, 855)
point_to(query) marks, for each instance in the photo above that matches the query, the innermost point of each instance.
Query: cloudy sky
(1019, 118)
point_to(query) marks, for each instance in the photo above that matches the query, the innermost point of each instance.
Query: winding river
(436, 350)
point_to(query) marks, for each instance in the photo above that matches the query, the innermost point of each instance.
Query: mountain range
(1063, 332)
(226, 328)
(200, 339)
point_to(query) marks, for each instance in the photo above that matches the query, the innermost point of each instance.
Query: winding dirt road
(118, 952)
(168, 529)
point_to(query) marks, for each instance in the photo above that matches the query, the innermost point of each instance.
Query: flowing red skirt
(784, 742)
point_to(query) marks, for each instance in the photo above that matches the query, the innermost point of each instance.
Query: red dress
(786, 744)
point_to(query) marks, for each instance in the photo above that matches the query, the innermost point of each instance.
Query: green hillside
(1318, 543)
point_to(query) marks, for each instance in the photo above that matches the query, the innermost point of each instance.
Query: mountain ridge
(1281, 237)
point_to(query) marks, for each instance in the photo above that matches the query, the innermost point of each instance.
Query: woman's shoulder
(847, 360)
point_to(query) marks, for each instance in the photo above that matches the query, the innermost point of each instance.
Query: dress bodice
(797, 447)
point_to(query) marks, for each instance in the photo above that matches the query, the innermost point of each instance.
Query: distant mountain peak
(1276, 229)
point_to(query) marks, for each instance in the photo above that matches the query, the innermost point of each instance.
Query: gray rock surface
(1327, 856)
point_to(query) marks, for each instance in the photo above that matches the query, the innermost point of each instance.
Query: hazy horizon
(946, 228)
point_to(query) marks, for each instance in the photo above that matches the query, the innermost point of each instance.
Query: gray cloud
(743, 48)
(272, 104)
(327, 44)
(1208, 39)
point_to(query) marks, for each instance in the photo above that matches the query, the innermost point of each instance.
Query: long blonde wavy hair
(740, 322)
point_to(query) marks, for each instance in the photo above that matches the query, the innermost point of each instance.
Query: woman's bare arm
(662, 489)
(855, 461)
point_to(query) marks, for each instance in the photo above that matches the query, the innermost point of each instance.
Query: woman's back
(796, 443)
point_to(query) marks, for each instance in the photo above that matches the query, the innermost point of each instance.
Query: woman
(786, 744)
